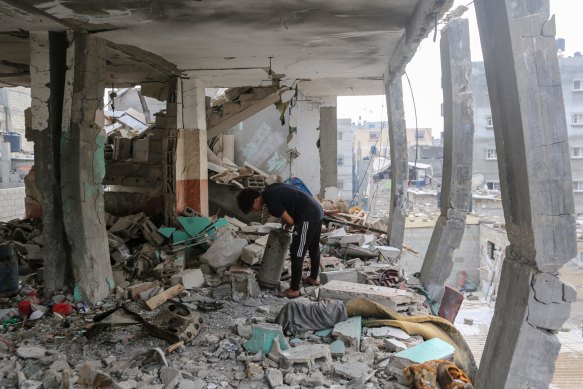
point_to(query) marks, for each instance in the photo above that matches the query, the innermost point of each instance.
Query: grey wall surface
(466, 258)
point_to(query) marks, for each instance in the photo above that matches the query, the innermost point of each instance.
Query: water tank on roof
(14, 139)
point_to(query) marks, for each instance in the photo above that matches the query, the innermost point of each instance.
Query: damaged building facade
(103, 182)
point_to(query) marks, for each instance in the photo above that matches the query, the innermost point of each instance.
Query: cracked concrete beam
(399, 164)
(457, 158)
(537, 194)
(83, 167)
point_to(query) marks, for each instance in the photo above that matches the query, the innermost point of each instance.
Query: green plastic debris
(166, 231)
(180, 237)
(77, 296)
(212, 230)
(262, 336)
(194, 225)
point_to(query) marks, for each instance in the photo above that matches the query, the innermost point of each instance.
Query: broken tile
(349, 332)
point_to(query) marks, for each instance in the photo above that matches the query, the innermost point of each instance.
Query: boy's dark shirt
(299, 205)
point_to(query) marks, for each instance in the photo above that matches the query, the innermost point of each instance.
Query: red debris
(63, 309)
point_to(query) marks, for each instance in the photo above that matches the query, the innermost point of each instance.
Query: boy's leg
(314, 250)
(297, 253)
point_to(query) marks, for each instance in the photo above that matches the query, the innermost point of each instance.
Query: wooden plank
(160, 299)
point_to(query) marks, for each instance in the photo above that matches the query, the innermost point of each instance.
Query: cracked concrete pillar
(524, 85)
(399, 164)
(83, 166)
(456, 186)
(328, 148)
(47, 76)
(191, 149)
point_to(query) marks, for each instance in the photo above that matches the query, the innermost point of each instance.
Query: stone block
(274, 377)
(31, 352)
(252, 253)
(398, 300)
(122, 149)
(357, 239)
(140, 150)
(349, 332)
(348, 275)
(190, 278)
(306, 356)
(245, 284)
(352, 370)
(262, 336)
(168, 375)
(337, 349)
(394, 345)
(224, 251)
(134, 291)
(389, 252)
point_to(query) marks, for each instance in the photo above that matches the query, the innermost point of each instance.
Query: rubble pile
(188, 312)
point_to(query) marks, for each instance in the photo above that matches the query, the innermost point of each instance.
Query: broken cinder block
(190, 278)
(252, 254)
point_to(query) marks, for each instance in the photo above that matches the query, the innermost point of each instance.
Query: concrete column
(47, 77)
(191, 150)
(399, 161)
(524, 84)
(328, 148)
(456, 186)
(83, 166)
(6, 163)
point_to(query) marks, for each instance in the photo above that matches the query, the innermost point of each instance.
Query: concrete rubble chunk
(398, 300)
(252, 254)
(31, 384)
(274, 377)
(348, 275)
(306, 356)
(349, 332)
(357, 239)
(394, 345)
(352, 370)
(393, 332)
(224, 251)
(190, 278)
(31, 352)
(169, 374)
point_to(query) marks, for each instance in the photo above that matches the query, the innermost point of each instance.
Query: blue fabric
(298, 183)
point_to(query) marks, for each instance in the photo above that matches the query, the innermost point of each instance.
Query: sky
(426, 81)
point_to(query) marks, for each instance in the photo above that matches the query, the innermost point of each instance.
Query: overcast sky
(425, 80)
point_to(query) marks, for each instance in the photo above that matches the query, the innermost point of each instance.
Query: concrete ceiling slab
(229, 42)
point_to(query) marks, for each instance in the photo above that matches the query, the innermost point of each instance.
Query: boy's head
(249, 200)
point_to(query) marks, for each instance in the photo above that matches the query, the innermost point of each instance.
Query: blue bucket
(8, 271)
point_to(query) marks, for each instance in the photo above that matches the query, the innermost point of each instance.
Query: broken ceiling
(331, 48)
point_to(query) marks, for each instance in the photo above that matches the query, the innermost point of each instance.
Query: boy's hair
(245, 199)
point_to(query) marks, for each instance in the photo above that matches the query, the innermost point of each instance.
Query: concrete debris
(306, 356)
(399, 300)
(187, 293)
(349, 332)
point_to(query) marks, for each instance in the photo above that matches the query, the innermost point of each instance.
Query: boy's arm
(287, 220)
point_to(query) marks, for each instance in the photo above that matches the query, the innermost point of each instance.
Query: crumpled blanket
(301, 315)
(376, 315)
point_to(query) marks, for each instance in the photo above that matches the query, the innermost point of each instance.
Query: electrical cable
(416, 128)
